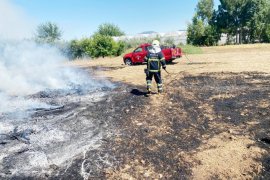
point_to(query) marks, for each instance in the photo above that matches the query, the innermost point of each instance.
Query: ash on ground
(124, 134)
(37, 141)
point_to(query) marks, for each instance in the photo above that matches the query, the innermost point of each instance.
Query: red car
(137, 56)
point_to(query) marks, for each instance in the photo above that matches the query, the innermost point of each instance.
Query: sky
(81, 18)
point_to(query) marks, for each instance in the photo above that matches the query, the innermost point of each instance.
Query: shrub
(101, 46)
(96, 46)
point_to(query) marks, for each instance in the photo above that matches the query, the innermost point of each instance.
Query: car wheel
(128, 62)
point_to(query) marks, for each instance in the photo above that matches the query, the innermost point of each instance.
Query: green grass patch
(190, 49)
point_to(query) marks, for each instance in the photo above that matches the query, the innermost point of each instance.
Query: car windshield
(138, 50)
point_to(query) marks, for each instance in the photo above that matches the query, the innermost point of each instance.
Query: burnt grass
(155, 136)
(180, 123)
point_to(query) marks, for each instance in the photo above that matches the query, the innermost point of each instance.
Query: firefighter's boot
(160, 89)
(148, 90)
(149, 83)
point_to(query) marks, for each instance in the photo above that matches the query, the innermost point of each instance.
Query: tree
(266, 30)
(202, 30)
(195, 32)
(76, 49)
(259, 24)
(205, 10)
(48, 32)
(108, 29)
(245, 19)
(233, 16)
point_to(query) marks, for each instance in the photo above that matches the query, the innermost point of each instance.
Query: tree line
(242, 21)
(100, 44)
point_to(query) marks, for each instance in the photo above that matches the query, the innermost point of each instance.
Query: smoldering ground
(45, 106)
(28, 68)
(100, 132)
(119, 134)
(139, 142)
(83, 131)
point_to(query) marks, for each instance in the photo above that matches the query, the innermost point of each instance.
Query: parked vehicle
(137, 56)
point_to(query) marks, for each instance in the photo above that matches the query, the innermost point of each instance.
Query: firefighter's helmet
(155, 43)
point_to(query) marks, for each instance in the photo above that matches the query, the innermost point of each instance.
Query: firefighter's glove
(164, 67)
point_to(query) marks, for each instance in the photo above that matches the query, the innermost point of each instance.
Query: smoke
(27, 67)
(14, 23)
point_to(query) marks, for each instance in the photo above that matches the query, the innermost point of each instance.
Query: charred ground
(205, 126)
(159, 136)
(161, 139)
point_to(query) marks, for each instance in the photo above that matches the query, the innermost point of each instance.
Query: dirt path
(211, 123)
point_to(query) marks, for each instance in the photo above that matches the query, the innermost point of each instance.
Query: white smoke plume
(14, 23)
(27, 68)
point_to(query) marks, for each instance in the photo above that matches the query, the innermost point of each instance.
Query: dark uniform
(154, 63)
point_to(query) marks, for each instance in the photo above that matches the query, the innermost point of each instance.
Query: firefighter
(155, 59)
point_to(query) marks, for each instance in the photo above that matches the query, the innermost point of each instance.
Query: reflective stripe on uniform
(154, 70)
(159, 86)
(149, 82)
(153, 60)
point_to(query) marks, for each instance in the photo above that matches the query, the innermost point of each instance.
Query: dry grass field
(212, 122)
(242, 58)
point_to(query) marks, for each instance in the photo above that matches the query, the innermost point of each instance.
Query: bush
(101, 46)
(75, 50)
(96, 46)
(120, 48)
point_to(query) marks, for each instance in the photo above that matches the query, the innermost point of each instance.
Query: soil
(211, 122)
(204, 127)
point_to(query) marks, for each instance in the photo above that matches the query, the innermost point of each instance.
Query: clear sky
(78, 18)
